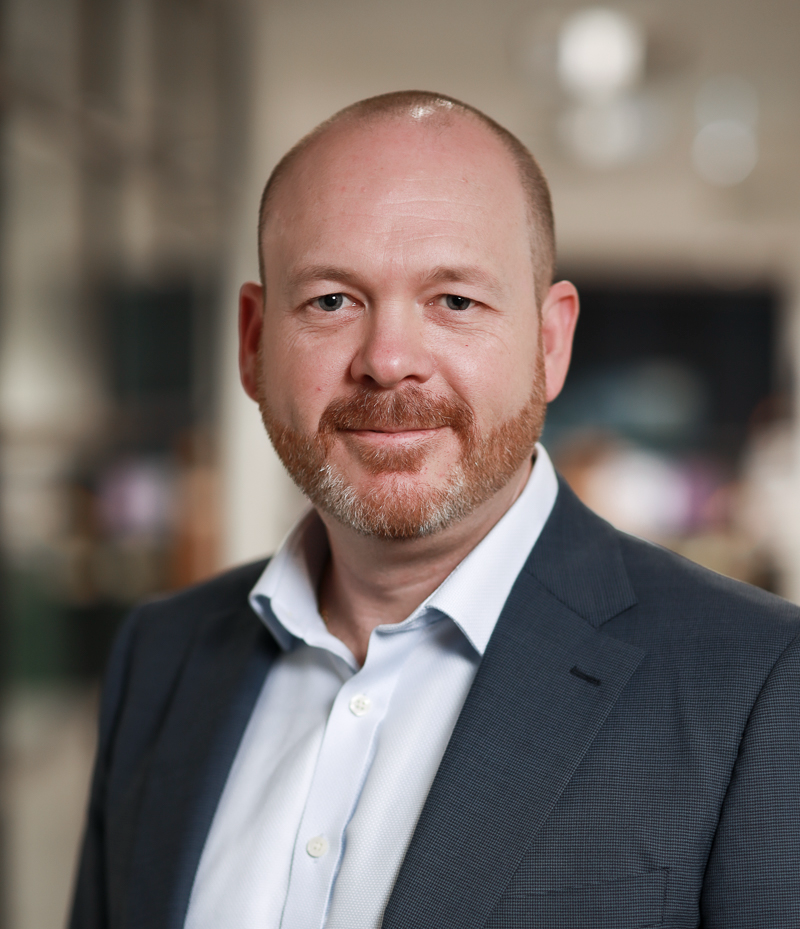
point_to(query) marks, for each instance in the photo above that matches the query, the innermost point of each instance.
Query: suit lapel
(548, 680)
(201, 733)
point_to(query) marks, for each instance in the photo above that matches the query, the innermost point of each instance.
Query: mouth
(392, 436)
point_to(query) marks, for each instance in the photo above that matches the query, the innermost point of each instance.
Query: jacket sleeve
(89, 907)
(752, 879)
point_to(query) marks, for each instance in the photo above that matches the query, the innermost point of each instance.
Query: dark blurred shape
(151, 343)
(674, 367)
(669, 392)
(152, 336)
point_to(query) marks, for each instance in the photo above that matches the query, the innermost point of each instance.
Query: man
(454, 697)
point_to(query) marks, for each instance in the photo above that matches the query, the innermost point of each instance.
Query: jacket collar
(547, 682)
(578, 560)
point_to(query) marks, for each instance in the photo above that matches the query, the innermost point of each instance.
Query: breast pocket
(632, 902)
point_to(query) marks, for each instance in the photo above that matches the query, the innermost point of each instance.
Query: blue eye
(454, 302)
(330, 302)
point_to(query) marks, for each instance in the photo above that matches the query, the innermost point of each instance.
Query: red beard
(398, 508)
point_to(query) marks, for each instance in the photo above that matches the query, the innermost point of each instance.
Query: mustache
(409, 408)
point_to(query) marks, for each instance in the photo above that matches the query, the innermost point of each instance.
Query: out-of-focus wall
(120, 139)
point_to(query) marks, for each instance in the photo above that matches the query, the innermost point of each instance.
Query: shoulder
(156, 639)
(186, 607)
(714, 640)
(161, 630)
(648, 596)
(690, 597)
(711, 649)
(157, 635)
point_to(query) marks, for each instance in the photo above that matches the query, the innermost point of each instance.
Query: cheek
(494, 377)
(299, 381)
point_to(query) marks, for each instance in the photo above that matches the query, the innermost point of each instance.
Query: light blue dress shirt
(336, 762)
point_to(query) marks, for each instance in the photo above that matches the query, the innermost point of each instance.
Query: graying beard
(332, 494)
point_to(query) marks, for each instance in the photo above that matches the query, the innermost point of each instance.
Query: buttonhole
(594, 681)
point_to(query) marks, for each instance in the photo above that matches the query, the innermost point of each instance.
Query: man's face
(400, 372)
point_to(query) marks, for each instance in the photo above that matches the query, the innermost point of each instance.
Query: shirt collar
(472, 595)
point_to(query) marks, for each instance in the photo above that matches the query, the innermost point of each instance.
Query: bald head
(435, 112)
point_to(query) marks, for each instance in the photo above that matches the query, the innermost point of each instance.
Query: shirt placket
(344, 759)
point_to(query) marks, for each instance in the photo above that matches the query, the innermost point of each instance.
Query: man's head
(405, 340)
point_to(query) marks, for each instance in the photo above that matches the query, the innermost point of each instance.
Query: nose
(392, 348)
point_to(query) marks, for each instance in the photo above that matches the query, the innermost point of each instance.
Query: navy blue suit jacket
(628, 755)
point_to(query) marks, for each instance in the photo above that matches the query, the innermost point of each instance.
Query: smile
(392, 437)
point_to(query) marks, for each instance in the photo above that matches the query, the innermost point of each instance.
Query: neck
(372, 582)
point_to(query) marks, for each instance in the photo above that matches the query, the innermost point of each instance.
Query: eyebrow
(465, 274)
(441, 274)
(311, 273)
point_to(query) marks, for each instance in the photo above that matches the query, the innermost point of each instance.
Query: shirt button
(360, 705)
(317, 846)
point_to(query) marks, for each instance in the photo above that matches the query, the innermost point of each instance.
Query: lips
(409, 430)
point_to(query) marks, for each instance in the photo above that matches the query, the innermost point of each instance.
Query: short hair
(423, 103)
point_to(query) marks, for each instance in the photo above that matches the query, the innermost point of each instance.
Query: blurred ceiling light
(600, 53)
(641, 492)
(725, 148)
(725, 152)
(727, 96)
(603, 135)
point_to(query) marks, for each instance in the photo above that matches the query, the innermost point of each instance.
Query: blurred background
(135, 137)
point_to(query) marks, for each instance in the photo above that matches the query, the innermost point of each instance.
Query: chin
(394, 508)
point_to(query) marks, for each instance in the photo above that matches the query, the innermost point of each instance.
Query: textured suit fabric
(628, 755)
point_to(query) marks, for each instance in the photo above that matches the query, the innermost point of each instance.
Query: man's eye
(330, 302)
(454, 302)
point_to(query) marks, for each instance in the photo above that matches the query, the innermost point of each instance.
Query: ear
(251, 324)
(559, 316)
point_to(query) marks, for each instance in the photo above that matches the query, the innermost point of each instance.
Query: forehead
(401, 171)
